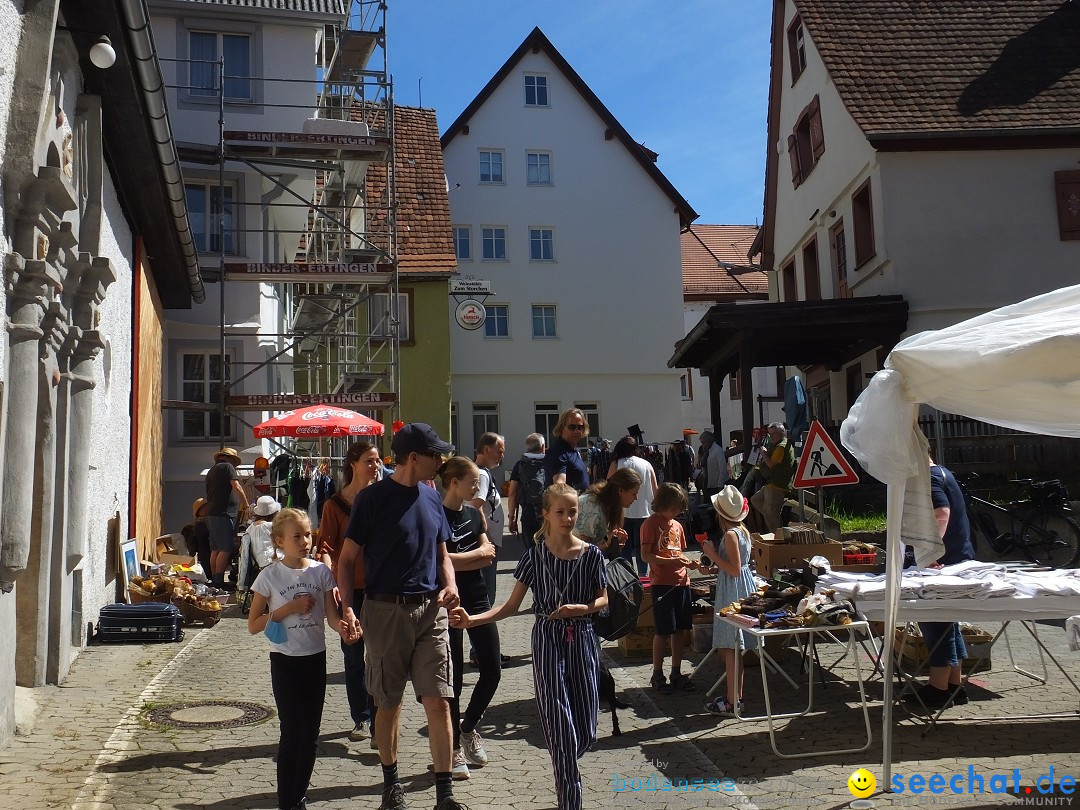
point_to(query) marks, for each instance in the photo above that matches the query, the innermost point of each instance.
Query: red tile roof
(424, 236)
(704, 247)
(930, 67)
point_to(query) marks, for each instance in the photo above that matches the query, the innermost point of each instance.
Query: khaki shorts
(402, 642)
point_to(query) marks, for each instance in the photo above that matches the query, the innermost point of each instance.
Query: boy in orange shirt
(662, 544)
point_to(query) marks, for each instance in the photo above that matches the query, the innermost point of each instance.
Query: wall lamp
(102, 53)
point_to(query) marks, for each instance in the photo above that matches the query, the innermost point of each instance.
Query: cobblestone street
(90, 747)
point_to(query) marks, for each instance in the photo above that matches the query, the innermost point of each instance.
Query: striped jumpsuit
(566, 659)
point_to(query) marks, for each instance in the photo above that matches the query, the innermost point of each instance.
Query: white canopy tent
(1018, 367)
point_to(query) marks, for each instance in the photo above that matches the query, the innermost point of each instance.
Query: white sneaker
(460, 769)
(359, 733)
(473, 748)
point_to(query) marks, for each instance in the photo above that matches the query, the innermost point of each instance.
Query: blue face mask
(275, 631)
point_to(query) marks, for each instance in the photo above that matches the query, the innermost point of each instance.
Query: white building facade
(269, 54)
(578, 233)
(934, 178)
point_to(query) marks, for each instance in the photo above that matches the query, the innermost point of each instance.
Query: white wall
(109, 478)
(616, 280)
(987, 236)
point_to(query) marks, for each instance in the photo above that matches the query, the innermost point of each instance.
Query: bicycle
(1040, 526)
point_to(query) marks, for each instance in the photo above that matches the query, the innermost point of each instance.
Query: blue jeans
(951, 652)
(361, 706)
(631, 550)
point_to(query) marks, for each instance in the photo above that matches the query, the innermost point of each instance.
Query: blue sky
(688, 78)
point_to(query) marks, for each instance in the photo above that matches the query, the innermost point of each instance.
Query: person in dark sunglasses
(563, 463)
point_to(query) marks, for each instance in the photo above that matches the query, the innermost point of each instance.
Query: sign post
(821, 465)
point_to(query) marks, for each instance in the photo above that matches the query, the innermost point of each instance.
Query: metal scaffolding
(328, 231)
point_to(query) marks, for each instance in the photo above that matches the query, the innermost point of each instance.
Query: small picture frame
(129, 563)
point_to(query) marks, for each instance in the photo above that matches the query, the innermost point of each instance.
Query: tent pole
(894, 565)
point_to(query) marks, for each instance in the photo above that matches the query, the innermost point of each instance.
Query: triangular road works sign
(822, 464)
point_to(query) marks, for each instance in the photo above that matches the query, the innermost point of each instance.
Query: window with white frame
(546, 416)
(541, 244)
(202, 373)
(485, 419)
(491, 166)
(493, 243)
(543, 321)
(497, 323)
(592, 416)
(205, 214)
(382, 320)
(538, 168)
(205, 48)
(463, 242)
(536, 90)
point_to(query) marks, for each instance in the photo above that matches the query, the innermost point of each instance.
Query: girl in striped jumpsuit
(568, 581)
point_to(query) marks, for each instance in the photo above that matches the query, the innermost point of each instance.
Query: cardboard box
(645, 612)
(638, 643)
(175, 559)
(768, 557)
(914, 653)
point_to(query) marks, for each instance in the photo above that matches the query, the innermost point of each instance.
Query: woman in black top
(470, 551)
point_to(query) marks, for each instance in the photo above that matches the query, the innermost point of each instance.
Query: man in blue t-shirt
(399, 525)
(944, 640)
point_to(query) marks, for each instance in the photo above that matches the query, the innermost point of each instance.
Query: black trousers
(485, 639)
(299, 683)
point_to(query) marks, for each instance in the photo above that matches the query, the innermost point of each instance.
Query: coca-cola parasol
(316, 421)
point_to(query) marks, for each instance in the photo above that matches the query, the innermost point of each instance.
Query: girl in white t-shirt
(298, 593)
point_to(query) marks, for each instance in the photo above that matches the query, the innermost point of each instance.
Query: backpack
(625, 596)
(531, 484)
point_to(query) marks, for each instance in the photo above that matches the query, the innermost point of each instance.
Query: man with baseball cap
(401, 529)
(225, 498)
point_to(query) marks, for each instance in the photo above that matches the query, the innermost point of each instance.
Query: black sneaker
(680, 681)
(393, 798)
(450, 803)
(961, 696)
(929, 696)
(660, 684)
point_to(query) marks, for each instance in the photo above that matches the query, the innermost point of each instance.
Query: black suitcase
(139, 624)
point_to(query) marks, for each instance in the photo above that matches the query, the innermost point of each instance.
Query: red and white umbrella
(316, 421)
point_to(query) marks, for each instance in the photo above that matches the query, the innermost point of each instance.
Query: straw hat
(729, 503)
(227, 454)
(197, 506)
(266, 506)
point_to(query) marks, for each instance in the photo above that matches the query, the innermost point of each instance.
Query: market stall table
(809, 634)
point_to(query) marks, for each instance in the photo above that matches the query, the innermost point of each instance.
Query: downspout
(148, 74)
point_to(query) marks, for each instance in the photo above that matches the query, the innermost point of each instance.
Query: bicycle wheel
(1052, 539)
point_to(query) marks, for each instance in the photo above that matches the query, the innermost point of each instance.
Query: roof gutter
(152, 85)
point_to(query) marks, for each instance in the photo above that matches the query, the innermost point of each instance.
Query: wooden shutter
(817, 134)
(793, 153)
(1067, 189)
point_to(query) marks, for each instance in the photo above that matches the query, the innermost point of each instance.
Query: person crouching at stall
(290, 601)
(568, 582)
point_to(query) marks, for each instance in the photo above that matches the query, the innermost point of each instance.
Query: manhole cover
(207, 714)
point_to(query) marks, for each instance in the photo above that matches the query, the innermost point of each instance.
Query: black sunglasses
(575, 427)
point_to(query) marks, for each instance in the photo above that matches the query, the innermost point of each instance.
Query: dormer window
(536, 90)
(796, 35)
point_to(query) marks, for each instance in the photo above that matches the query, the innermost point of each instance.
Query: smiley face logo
(861, 783)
